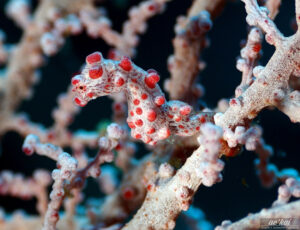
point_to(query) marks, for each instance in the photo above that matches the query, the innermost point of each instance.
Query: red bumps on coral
(256, 48)
(139, 111)
(151, 130)
(151, 116)
(128, 193)
(90, 95)
(151, 79)
(138, 136)
(79, 102)
(117, 107)
(147, 139)
(136, 102)
(160, 100)
(144, 96)
(233, 102)
(185, 110)
(131, 125)
(112, 54)
(95, 72)
(177, 118)
(93, 58)
(75, 81)
(27, 151)
(152, 7)
(125, 64)
(202, 119)
(139, 122)
(120, 81)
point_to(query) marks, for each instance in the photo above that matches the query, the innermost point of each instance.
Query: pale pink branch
(136, 24)
(19, 11)
(108, 181)
(291, 106)
(20, 75)
(291, 188)
(52, 41)
(270, 87)
(92, 168)
(268, 173)
(273, 7)
(77, 177)
(57, 135)
(63, 115)
(130, 194)
(105, 155)
(253, 141)
(248, 60)
(26, 188)
(70, 204)
(174, 194)
(298, 13)
(21, 124)
(251, 53)
(213, 7)
(125, 152)
(258, 16)
(66, 168)
(98, 25)
(32, 144)
(253, 221)
(190, 40)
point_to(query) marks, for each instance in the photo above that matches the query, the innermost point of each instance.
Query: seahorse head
(100, 77)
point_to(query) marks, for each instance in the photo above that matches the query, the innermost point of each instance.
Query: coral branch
(188, 44)
(174, 194)
(137, 24)
(189, 41)
(291, 188)
(213, 7)
(253, 221)
(258, 16)
(16, 185)
(298, 13)
(273, 7)
(19, 11)
(129, 195)
(67, 166)
(32, 144)
(18, 88)
(291, 106)
(98, 25)
(248, 60)
(271, 85)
